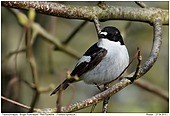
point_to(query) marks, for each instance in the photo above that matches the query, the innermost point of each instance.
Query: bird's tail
(64, 85)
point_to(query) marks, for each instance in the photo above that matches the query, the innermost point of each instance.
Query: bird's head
(112, 34)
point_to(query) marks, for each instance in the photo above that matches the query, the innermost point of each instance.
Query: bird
(102, 62)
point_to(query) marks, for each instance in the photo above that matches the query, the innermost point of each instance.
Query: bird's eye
(112, 35)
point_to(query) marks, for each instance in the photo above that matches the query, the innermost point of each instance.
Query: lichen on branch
(88, 12)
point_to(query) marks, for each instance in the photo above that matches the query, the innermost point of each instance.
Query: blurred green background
(130, 99)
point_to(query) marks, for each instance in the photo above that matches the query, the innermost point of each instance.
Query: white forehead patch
(104, 33)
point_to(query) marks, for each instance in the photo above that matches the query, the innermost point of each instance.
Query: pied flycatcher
(102, 62)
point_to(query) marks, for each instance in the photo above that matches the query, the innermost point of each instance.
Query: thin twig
(141, 4)
(138, 67)
(152, 88)
(73, 89)
(58, 103)
(105, 101)
(21, 38)
(120, 73)
(31, 85)
(59, 99)
(32, 62)
(93, 107)
(54, 40)
(50, 45)
(38, 29)
(97, 25)
(17, 103)
(10, 85)
(7, 57)
(75, 31)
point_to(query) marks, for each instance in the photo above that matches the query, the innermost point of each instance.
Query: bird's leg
(97, 86)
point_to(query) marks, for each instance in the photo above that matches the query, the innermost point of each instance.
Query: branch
(88, 12)
(75, 32)
(32, 63)
(17, 103)
(97, 25)
(38, 29)
(124, 82)
(152, 88)
(7, 57)
(157, 41)
(141, 4)
(54, 40)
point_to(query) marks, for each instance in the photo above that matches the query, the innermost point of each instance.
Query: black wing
(96, 54)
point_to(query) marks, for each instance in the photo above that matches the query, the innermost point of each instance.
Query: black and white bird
(103, 61)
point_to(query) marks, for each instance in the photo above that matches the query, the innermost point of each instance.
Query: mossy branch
(88, 12)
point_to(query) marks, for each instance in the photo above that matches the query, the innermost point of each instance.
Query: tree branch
(37, 29)
(88, 12)
(124, 82)
(152, 88)
(17, 103)
(157, 41)
(141, 4)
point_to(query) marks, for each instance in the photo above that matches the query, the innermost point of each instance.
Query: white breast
(111, 66)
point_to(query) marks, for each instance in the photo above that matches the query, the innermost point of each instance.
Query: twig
(10, 85)
(21, 38)
(11, 54)
(31, 85)
(38, 29)
(105, 101)
(97, 24)
(41, 89)
(59, 99)
(138, 66)
(54, 40)
(50, 45)
(17, 103)
(75, 31)
(152, 88)
(93, 107)
(141, 4)
(58, 103)
(73, 89)
(120, 73)
(32, 62)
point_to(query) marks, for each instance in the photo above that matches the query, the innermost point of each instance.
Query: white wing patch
(84, 59)
(104, 33)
